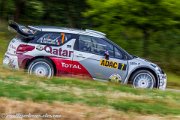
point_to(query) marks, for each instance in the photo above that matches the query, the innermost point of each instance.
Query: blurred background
(146, 28)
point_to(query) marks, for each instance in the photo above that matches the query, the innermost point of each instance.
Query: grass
(147, 108)
(16, 85)
(173, 80)
(20, 86)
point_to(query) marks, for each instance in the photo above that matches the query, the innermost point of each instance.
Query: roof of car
(70, 30)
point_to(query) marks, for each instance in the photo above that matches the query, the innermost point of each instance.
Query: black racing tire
(41, 67)
(143, 79)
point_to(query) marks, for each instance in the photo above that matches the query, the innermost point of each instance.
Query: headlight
(158, 69)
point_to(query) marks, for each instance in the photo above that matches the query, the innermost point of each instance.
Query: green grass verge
(16, 85)
(173, 80)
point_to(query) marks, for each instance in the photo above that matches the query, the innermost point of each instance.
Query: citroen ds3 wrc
(48, 51)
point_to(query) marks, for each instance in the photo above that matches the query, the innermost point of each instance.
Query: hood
(149, 63)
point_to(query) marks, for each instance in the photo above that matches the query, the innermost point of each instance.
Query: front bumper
(162, 78)
(10, 61)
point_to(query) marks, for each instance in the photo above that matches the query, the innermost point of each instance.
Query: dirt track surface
(173, 90)
(70, 111)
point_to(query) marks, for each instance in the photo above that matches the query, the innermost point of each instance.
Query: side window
(118, 53)
(101, 46)
(85, 43)
(95, 45)
(55, 39)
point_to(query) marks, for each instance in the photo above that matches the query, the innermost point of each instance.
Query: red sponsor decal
(58, 52)
(69, 67)
(73, 66)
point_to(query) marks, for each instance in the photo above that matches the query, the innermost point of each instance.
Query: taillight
(24, 48)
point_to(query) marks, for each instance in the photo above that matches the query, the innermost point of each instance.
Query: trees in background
(146, 16)
(148, 28)
(56, 12)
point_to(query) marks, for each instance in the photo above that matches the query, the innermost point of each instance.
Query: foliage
(138, 22)
(64, 12)
(146, 28)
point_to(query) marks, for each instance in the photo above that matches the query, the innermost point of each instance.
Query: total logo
(64, 65)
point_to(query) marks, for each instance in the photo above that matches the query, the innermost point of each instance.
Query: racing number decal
(113, 64)
(63, 37)
(122, 66)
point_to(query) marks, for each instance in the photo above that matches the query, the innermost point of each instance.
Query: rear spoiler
(27, 32)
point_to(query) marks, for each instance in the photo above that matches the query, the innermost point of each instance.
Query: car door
(59, 48)
(89, 52)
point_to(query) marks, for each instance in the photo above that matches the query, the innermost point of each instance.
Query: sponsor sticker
(115, 78)
(58, 51)
(12, 46)
(134, 63)
(64, 65)
(113, 64)
(11, 63)
(39, 47)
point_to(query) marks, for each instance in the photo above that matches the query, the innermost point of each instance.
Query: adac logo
(108, 63)
(113, 64)
(58, 51)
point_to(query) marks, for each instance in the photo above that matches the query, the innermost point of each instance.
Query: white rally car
(48, 51)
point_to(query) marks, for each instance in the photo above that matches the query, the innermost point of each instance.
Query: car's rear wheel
(41, 67)
(143, 79)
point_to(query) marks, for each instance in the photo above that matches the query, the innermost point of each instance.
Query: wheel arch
(43, 57)
(144, 68)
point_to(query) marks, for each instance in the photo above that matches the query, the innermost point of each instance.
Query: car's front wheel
(143, 79)
(41, 67)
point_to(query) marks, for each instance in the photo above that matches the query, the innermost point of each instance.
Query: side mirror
(106, 55)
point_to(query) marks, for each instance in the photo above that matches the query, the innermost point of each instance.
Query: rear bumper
(10, 61)
(162, 81)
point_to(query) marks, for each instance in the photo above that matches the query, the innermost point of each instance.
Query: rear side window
(55, 39)
(85, 43)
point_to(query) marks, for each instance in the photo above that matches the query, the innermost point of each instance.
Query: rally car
(56, 51)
